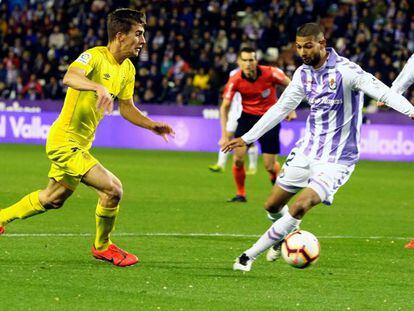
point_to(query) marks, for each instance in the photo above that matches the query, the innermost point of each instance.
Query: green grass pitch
(172, 209)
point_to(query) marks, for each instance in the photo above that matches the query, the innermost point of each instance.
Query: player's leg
(221, 163)
(276, 207)
(253, 154)
(239, 174)
(279, 229)
(220, 166)
(270, 149)
(231, 127)
(37, 202)
(244, 124)
(271, 165)
(109, 189)
(324, 181)
(294, 176)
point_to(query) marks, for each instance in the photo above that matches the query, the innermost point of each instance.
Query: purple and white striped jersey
(405, 78)
(335, 95)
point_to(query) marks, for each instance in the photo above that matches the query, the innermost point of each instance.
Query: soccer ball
(300, 249)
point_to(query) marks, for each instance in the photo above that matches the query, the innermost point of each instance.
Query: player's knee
(115, 192)
(272, 207)
(238, 162)
(301, 207)
(54, 203)
(270, 167)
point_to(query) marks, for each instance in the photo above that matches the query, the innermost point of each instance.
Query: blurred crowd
(192, 44)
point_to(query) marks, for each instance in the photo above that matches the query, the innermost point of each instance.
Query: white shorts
(234, 113)
(325, 178)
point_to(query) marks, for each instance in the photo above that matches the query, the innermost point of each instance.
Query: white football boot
(274, 252)
(243, 263)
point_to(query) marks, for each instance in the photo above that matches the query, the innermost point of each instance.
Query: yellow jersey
(80, 117)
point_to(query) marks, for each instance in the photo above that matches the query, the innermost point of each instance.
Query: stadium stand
(192, 45)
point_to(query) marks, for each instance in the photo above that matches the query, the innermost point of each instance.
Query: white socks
(275, 216)
(274, 234)
(253, 154)
(222, 159)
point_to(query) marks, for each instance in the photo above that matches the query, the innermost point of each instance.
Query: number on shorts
(290, 157)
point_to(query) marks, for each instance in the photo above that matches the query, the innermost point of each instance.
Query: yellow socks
(30, 205)
(26, 207)
(105, 222)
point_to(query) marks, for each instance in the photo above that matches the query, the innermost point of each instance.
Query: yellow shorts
(69, 164)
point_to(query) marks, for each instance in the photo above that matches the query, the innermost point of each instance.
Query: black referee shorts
(269, 142)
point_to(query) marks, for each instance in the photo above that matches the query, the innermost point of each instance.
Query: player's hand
(412, 116)
(163, 129)
(380, 104)
(105, 102)
(233, 144)
(223, 141)
(291, 116)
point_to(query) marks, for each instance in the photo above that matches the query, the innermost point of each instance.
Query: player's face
(134, 40)
(248, 63)
(309, 49)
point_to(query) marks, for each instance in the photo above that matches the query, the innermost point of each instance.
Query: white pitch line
(175, 234)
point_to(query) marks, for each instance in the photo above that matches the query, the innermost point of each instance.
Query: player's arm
(76, 78)
(288, 102)
(224, 116)
(374, 88)
(406, 77)
(229, 90)
(285, 81)
(135, 116)
(404, 80)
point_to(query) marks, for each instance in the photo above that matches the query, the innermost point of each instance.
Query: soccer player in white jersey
(404, 80)
(231, 126)
(323, 160)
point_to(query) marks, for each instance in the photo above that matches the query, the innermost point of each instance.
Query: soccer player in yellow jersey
(94, 79)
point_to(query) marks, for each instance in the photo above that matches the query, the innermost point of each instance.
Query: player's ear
(322, 42)
(120, 36)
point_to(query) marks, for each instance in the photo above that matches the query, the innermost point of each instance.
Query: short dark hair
(246, 49)
(309, 29)
(121, 20)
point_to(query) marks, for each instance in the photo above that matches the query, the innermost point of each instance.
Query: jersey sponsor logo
(325, 101)
(106, 76)
(266, 93)
(84, 58)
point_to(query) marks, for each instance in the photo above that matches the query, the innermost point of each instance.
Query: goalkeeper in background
(94, 79)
